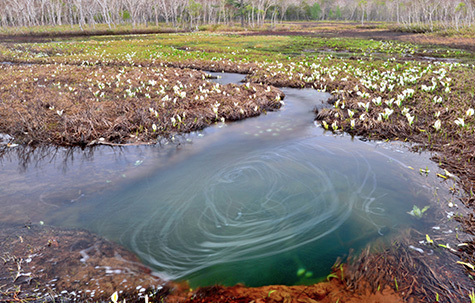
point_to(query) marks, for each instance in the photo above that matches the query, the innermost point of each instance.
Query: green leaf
(270, 292)
(416, 211)
(331, 276)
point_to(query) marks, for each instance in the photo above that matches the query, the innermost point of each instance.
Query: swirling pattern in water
(260, 205)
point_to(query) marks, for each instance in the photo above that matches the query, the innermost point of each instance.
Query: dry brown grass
(83, 105)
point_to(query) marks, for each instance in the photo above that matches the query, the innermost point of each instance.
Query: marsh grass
(69, 31)
(371, 69)
(82, 105)
(410, 273)
(68, 94)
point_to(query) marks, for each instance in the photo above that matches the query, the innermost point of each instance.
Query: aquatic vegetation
(417, 212)
(301, 271)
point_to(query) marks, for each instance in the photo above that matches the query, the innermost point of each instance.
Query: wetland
(141, 145)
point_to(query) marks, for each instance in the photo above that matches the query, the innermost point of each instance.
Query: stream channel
(268, 200)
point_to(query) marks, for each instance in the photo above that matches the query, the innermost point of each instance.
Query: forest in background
(416, 15)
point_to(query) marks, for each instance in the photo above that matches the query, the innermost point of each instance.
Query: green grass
(211, 47)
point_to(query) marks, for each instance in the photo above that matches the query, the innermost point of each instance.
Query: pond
(269, 200)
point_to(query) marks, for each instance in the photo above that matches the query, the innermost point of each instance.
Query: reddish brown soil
(333, 291)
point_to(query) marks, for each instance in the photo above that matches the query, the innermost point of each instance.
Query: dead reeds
(84, 105)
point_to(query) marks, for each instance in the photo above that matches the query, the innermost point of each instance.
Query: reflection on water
(267, 200)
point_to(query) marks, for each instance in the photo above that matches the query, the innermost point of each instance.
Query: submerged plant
(417, 212)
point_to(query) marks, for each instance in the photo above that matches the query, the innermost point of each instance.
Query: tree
(428, 13)
(315, 11)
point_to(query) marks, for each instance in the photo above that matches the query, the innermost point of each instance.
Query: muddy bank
(325, 292)
(45, 264)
